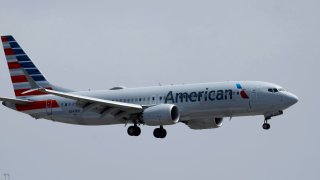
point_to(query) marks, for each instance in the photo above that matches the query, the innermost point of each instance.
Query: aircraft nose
(291, 99)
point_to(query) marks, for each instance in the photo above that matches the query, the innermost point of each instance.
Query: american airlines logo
(207, 95)
(243, 94)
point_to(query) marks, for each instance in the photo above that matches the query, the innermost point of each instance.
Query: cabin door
(253, 99)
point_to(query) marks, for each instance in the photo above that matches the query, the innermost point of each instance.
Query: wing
(15, 101)
(104, 107)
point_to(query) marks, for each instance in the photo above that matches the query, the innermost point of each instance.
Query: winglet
(30, 91)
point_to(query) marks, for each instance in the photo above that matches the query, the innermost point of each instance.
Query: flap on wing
(15, 101)
(108, 103)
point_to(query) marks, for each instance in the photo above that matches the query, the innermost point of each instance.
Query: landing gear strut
(134, 130)
(266, 125)
(160, 132)
(268, 116)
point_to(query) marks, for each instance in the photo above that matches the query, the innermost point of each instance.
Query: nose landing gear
(268, 116)
(266, 125)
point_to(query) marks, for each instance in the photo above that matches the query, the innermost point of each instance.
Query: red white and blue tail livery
(199, 106)
(21, 68)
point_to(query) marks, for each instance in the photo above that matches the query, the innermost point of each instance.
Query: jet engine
(209, 123)
(162, 114)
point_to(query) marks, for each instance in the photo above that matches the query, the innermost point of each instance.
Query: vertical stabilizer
(24, 74)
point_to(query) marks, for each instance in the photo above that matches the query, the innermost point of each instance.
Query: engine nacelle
(162, 114)
(205, 123)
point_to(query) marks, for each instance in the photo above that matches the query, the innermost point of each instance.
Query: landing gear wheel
(156, 132)
(266, 126)
(160, 133)
(163, 133)
(134, 131)
(137, 131)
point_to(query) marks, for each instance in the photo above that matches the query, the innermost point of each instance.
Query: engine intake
(162, 114)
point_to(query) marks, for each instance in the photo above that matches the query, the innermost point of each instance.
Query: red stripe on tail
(8, 51)
(14, 65)
(3, 38)
(19, 79)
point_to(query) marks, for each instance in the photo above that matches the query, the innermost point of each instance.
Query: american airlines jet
(199, 106)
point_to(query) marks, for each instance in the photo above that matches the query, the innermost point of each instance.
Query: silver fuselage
(195, 101)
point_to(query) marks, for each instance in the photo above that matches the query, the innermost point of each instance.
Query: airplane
(199, 106)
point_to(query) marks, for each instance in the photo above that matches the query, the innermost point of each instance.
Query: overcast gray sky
(101, 44)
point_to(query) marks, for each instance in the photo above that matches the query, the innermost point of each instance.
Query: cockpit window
(273, 90)
(281, 89)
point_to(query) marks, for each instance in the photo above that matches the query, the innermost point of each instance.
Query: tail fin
(24, 74)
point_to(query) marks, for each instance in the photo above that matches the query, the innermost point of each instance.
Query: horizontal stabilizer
(15, 101)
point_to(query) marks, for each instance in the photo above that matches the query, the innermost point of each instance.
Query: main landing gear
(266, 125)
(134, 130)
(160, 132)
